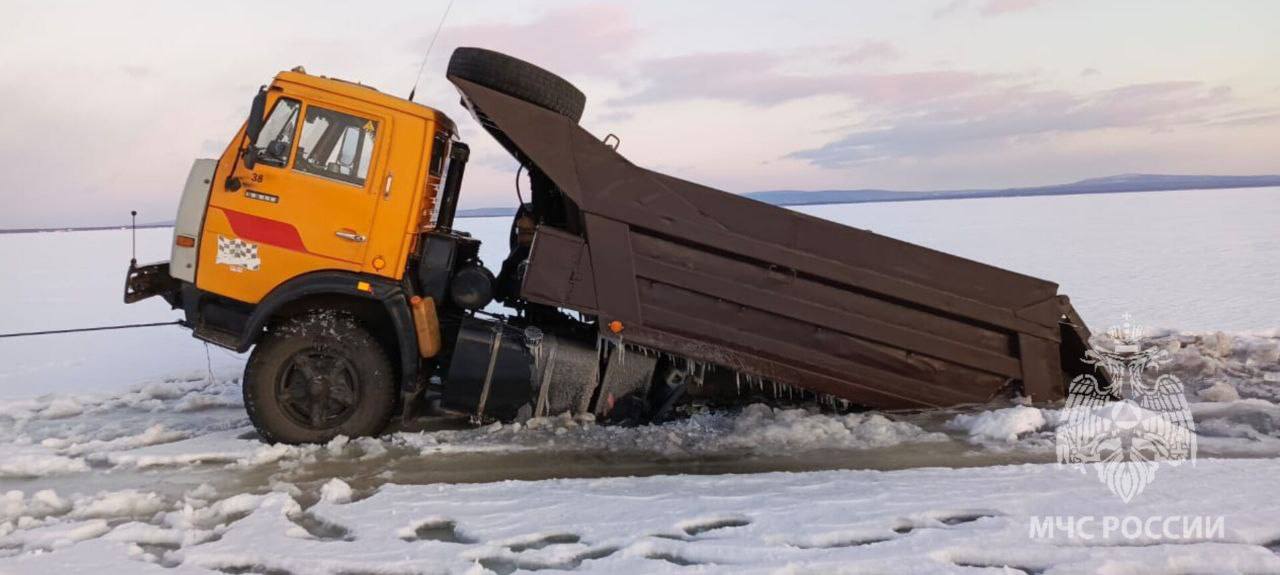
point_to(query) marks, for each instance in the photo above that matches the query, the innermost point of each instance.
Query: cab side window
(336, 145)
(276, 138)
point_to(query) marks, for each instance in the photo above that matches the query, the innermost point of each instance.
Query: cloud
(998, 7)
(1011, 114)
(138, 72)
(986, 8)
(587, 39)
(756, 78)
(871, 50)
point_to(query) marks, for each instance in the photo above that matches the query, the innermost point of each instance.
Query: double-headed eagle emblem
(1124, 425)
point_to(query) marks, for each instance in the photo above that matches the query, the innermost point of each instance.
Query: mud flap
(142, 282)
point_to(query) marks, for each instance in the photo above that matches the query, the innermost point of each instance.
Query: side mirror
(253, 126)
(256, 112)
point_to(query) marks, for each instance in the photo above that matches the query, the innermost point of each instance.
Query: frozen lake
(1190, 260)
(118, 452)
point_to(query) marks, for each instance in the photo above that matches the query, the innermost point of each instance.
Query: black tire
(317, 376)
(519, 79)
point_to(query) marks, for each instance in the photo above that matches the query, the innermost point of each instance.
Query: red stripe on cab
(263, 230)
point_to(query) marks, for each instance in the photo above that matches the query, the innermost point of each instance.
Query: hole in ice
(998, 565)
(252, 569)
(855, 542)
(159, 553)
(539, 543)
(504, 566)
(671, 536)
(962, 518)
(695, 528)
(321, 529)
(445, 530)
(904, 528)
(98, 461)
(509, 565)
(158, 548)
(673, 559)
(227, 519)
(597, 553)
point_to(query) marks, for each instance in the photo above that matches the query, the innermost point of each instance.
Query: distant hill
(486, 212)
(1108, 185)
(85, 228)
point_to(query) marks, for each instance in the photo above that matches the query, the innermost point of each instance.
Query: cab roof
(362, 92)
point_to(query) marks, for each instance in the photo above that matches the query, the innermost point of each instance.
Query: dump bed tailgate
(773, 293)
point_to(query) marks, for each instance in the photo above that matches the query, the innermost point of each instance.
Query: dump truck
(324, 239)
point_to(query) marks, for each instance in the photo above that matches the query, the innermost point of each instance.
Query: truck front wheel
(316, 376)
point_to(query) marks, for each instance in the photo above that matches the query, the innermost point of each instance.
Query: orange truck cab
(341, 177)
(325, 228)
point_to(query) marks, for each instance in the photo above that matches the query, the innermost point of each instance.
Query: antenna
(133, 240)
(431, 45)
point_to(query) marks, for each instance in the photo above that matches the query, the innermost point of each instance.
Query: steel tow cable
(84, 329)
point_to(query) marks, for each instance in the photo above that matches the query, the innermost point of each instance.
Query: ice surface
(335, 491)
(758, 429)
(151, 426)
(1005, 425)
(1196, 260)
(909, 521)
(231, 503)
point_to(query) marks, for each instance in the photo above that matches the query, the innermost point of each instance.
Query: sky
(104, 105)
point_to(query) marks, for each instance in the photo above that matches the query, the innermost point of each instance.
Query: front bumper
(149, 280)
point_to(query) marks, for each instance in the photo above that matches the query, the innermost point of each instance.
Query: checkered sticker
(237, 253)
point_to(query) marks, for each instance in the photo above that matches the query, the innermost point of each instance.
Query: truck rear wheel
(317, 376)
(517, 78)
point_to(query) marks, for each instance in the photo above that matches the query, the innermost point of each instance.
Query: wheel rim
(318, 390)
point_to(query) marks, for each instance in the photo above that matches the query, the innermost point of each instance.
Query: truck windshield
(276, 138)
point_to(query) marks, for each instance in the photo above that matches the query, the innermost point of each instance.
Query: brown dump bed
(773, 293)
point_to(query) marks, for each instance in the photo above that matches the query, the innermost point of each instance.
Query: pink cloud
(987, 8)
(998, 7)
(758, 78)
(871, 50)
(588, 39)
(1011, 114)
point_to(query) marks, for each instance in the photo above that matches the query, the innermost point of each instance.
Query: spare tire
(519, 79)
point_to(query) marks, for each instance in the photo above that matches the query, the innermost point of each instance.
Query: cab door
(307, 204)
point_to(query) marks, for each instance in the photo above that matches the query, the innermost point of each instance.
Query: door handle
(350, 236)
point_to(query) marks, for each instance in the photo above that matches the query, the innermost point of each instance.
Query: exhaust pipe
(458, 155)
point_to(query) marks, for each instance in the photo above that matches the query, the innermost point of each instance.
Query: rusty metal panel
(614, 269)
(1041, 368)
(560, 271)
(777, 294)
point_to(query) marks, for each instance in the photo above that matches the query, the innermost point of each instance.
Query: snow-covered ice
(908, 521)
(1005, 425)
(133, 482)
